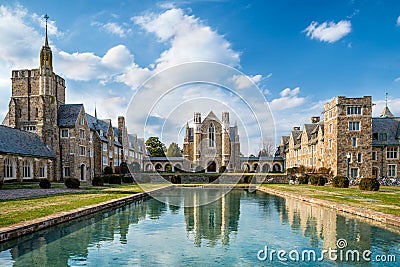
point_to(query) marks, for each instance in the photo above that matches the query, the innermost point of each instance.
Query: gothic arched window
(211, 135)
(9, 168)
(27, 169)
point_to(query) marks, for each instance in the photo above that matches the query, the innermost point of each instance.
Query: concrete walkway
(10, 194)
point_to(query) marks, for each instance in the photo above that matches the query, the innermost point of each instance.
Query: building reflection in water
(208, 225)
(214, 221)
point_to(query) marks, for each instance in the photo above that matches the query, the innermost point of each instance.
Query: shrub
(168, 168)
(369, 184)
(176, 179)
(108, 170)
(127, 179)
(318, 180)
(44, 183)
(222, 169)
(105, 179)
(123, 168)
(340, 181)
(247, 179)
(1, 183)
(114, 179)
(97, 181)
(302, 179)
(72, 183)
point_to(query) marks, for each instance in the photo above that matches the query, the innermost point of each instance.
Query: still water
(239, 229)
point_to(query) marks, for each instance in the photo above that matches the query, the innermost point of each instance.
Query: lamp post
(348, 156)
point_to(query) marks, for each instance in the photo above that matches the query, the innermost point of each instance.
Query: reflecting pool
(240, 228)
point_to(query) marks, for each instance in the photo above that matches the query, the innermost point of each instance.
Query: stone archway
(266, 167)
(158, 167)
(212, 167)
(256, 167)
(277, 167)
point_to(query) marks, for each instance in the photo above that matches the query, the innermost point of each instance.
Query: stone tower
(197, 137)
(226, 144)
(36, 97)
(347, 136)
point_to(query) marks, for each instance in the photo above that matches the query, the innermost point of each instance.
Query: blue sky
(299, 53)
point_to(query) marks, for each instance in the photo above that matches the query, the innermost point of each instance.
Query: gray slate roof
(17, 142)
(386, 125)
(68, 114)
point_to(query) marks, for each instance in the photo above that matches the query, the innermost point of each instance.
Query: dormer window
(382, 136)
(82, 121)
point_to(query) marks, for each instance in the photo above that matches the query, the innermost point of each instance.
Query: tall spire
(386, 95)
(46, 43)
(95, 110)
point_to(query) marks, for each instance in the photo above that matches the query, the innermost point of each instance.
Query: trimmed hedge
(127, 179)
(318, 180)
(114, 179)
(369, 184)
(302, 179)
(98, 181)
(108, 170)
(247, 179)
(44, 183)
(340, 182)
(72, 183)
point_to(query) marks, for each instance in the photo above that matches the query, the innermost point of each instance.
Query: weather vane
(46, 17)
(386, 96)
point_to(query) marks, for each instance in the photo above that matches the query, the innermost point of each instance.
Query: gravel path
(31, 193)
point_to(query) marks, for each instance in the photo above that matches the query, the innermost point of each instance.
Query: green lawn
(16, 211)
(387, 200)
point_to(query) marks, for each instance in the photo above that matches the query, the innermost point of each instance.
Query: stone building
(211, 143)
(349, 141)
(24, 156)
(81, 145)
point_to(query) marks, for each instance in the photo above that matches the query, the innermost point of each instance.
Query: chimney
(296, 128)
(315, 119)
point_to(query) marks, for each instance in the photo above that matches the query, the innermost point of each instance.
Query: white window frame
(391, 170)
(82, 151)
(354, 110)
(359, 157)
(352, 126)
(374, 155)
(82, 133)
(392, 153)
(351, 172)
(105, 146)
(27, 169)
(42, 170)
(9, 168)
(67, 171)
(354, 142)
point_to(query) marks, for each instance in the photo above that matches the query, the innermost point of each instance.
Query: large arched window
(27, 169)
(9, 168)
(211, 135)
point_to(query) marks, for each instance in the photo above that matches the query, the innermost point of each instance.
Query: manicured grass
(16, 211)
(387, 200)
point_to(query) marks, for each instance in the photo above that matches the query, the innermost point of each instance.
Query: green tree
(155, 147)
(174, 150)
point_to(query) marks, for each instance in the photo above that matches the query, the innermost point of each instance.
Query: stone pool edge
(360, 212)
(23, 228)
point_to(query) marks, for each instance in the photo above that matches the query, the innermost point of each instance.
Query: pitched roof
(17, 142)
(68, 114)
(386, 113)
(390, 126)
(212, 116)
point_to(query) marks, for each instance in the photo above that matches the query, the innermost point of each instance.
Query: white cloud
(328, 31)
(393, 104)
(289, 99)
(87, 66)
(397, 79)
(189, 39)
(398, 21)
(243, 81)
(114, 28)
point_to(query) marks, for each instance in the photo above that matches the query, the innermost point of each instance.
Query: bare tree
(268, 148)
